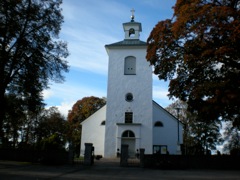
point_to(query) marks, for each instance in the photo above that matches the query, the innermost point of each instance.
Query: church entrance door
(131, 146)
(128, 137)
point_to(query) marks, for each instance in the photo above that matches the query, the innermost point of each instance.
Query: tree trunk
(2, 111)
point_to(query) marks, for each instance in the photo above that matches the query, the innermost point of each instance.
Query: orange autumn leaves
(198, 51)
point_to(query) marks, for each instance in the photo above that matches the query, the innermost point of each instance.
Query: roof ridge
(127, 42)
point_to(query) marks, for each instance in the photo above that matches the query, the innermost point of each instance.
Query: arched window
(131, 32)
(103, 122)
(158, 124)
(130, 65)
(128, 133)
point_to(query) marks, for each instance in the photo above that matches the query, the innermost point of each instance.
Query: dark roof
(131, 23)
(128, 42)
(167, 111)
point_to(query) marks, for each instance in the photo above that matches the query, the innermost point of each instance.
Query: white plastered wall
(94, 132)
(168, 134)
(140, 85)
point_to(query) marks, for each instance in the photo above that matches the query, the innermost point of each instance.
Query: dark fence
(78, 161)
(34, 156)
(191, 162)
(133, 162)
(220, 162)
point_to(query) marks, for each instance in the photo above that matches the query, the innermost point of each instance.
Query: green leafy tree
(51, 132)
(198, 51)
(14, 120)
(198, 136)
(81, 110)
(30, 52)
(206, 136)
(19, 123)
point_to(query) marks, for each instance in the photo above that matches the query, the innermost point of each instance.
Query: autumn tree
(198, 52)
(30, 52)
(80, 111)
(198, 137)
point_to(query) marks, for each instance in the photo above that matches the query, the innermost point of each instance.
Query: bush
(54, 157)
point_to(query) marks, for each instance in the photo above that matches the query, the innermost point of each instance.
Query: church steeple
(132, 29)
(129, 94)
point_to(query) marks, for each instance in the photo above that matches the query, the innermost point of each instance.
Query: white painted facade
(93, 131)
(168, 133)
(130, 73)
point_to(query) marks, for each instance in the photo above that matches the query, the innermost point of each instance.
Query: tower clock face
(129, 97)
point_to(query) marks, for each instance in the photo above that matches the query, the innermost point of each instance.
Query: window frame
(128, 119)
(158, 124)
(162, 149)
(129, 97)
(130, 65)
(128, 134)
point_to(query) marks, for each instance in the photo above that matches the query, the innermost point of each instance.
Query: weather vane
(132, 16)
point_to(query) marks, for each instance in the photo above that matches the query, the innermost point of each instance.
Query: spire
(132, 16)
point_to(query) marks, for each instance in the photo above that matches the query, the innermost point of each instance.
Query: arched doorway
(128, 137)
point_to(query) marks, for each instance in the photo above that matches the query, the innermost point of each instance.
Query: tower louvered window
(128, 117)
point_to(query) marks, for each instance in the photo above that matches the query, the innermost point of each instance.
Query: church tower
(129, 94)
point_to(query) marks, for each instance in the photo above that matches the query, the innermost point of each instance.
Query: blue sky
(88, 26)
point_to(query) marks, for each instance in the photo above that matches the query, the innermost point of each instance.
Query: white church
(130, 116)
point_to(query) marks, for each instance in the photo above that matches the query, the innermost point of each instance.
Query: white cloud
(47, 93)
(64, 107)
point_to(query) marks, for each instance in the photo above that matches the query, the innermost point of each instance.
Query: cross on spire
(132, 16)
